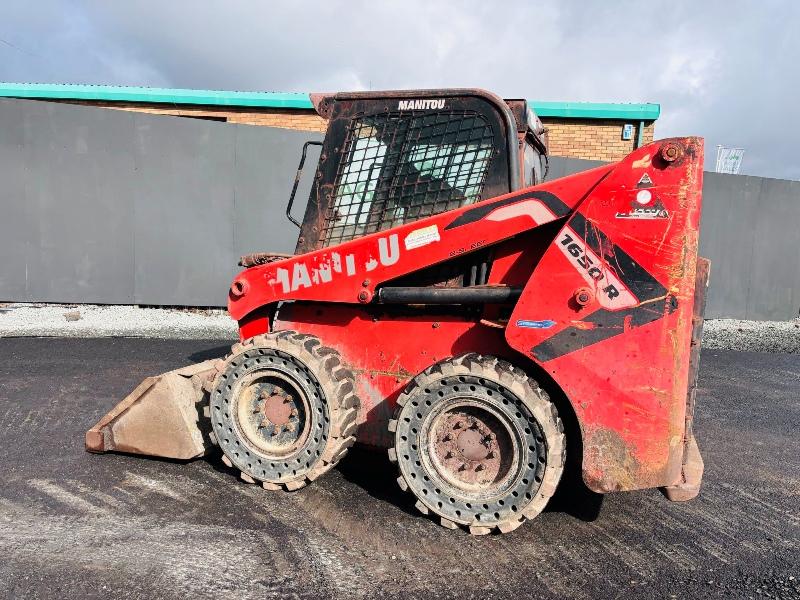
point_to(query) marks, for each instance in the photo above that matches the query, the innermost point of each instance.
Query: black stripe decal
(604, 324)
(553, 202)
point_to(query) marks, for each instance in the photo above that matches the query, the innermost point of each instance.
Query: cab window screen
(400, 167)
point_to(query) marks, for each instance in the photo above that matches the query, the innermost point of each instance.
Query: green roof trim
(108, 93)
(597, 110)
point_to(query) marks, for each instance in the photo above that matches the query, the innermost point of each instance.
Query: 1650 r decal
(612, 293)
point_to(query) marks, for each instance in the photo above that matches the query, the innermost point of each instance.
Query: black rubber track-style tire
(527, 449)
(313, 372)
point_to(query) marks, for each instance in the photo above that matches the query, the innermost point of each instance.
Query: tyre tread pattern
(525, 388)
(338, 383)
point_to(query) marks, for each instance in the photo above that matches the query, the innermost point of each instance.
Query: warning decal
(422, 237)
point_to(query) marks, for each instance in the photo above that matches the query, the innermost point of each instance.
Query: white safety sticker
(422, 237)
(640, 209)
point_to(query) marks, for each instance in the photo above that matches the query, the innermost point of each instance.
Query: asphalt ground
(76, 525)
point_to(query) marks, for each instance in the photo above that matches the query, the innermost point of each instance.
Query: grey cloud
(723, 70)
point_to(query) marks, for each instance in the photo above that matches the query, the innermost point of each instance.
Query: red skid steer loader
(447, 304)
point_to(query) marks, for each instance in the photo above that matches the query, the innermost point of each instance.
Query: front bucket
(159, 418)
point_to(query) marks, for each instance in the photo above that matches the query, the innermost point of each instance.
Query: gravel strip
(752, 336)
(85, 320)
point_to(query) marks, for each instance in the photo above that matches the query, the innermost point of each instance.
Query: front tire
(478, 443)
(283, 409)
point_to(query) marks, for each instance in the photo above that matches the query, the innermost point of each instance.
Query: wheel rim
(273, 413)
(473, 446)
(237, 409)
(506, 484)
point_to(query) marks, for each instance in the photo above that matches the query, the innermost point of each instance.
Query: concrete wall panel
(15, 218)
(774, 268)
(561, 166)
(730, 206)
(183, 211)
(265, 169)
(110, 206)
(77, 180)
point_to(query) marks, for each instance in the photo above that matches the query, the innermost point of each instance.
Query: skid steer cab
(448, 303)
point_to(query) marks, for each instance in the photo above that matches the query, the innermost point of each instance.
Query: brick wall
(590, 139)
(593, 139)
(287, 118)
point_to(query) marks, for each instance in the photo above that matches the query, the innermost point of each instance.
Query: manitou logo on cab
(301, 276)
(420, 104)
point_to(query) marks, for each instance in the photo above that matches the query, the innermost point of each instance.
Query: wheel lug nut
(447, 438)
(463, 467)
(474, 426)
(490, 454)
(480, 468)
(448, 455)
(458, 425)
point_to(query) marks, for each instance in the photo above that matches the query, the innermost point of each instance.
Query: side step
(159, 418)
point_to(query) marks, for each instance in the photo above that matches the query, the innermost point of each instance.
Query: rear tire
(283, 409)
(478, 443)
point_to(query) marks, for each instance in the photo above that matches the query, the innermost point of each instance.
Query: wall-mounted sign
(627, 131)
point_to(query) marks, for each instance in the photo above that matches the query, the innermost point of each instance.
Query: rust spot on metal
(277, 409)
(671, 151)
(261, 258)
(400, 374)
(691, 468)
(609, 464)
(471, 448)
(583, 296)
(239, 287)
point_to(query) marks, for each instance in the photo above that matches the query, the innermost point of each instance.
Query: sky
(727, 71)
